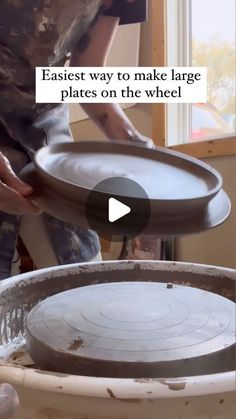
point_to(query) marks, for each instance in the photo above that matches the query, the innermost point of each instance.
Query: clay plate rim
(133, 150)
(217, 211)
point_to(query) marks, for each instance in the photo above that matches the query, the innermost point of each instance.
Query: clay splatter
(76, 344)
(111, 394)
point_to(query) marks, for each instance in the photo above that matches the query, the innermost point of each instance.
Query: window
(213, 46)
(198, 33)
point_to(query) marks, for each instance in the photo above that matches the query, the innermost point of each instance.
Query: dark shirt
(41, 33)
(133, 12)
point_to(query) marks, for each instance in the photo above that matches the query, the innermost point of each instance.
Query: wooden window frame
(201, 149)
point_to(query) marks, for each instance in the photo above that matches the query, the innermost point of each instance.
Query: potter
(50, 33)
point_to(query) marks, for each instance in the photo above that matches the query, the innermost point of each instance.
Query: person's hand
(14, 194)
(8, 401)
(142, 140)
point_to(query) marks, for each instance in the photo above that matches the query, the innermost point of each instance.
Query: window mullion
(179, 48)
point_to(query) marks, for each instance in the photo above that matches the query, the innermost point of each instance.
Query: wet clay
(163, 174)
(132, 329)
(179, 220)
(88, 169)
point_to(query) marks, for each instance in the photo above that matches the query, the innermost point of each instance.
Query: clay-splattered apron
(38, 33)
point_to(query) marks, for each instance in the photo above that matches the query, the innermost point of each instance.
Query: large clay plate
(215, 213)
(175, 183)
(133, 329)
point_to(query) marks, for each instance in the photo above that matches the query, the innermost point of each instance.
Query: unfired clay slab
(132, 329)
(164, 175)
(158, 180)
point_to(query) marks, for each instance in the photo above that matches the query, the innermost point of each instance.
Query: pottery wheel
(132, 329)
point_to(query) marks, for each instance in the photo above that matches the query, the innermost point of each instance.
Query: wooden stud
(158, 60)
(209, 148)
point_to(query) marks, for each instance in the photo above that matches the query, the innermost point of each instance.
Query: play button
(118, 207)
(117, 210)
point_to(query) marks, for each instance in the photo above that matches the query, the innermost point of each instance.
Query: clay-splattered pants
(70, 243)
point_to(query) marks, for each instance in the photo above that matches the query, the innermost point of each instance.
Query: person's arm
(92, 51)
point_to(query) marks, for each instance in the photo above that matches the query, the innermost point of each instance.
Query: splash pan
(185, 391)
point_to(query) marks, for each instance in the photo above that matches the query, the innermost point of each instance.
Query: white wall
(140, 115)
(128, 35)
(217, 246)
